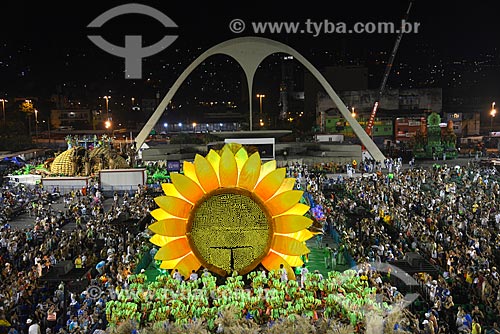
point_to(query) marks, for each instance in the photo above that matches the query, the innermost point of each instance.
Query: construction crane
(388, 68)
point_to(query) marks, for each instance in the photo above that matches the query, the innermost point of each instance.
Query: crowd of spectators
(80, 232)
(449, 214)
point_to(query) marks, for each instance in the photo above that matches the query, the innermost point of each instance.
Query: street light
(260, 97)
(194, 127)
(3, 109)
(107, 109)
(353, 113)
(493, 113)
(36, 124)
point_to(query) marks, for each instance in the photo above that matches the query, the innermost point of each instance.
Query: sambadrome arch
(249, 52)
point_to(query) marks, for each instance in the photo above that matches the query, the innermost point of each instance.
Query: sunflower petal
(288, 246)
(272, 261)
(174, 227)
(266, 168)
(187, 264)
(301, 236)
(170, 264)
(267, 186)
(206, 174)
(291, 223)
(287, 184)
(283, 202)
(250, 172)
(241, 157)
(228, 169)
(161, 240)
(174, 249)
(292, 260)
(170, 190)
(186, 187)
(298, 209)
(233, 147)
(214, 159)
(175, 206)
(160, 214)
(190, 171)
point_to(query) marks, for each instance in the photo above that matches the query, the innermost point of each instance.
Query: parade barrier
(65, 184)
(121, 180)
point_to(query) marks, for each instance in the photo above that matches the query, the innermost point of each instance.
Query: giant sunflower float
(229, 212)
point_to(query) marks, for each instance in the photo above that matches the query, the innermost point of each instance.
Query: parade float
(84, 159)
(435, 141)
(228, 215)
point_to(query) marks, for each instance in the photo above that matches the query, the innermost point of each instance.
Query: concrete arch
(249, 52)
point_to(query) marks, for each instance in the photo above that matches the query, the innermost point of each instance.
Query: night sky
(45, 43)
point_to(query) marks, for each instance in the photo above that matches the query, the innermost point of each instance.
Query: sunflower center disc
(229, 232)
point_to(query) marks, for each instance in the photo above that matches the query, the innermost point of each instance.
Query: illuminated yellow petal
(266, 168)
(175, 206)
(250, 172)
(241, 157)
(206, 174)
(301, 236)
(161, 240)
(228, 170)
(233, 147)
(188, 188)
(267, 187)
(174, 249)
(291, 223)
(170, 264)
(160, 214)
(283, 202)
(174, 227)
(292, 260)
(190, 171)
(288, 246)
(214, 159)
(287, 184)
(170, 190)
(272, 261)
(298, 209)
(187, 264)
